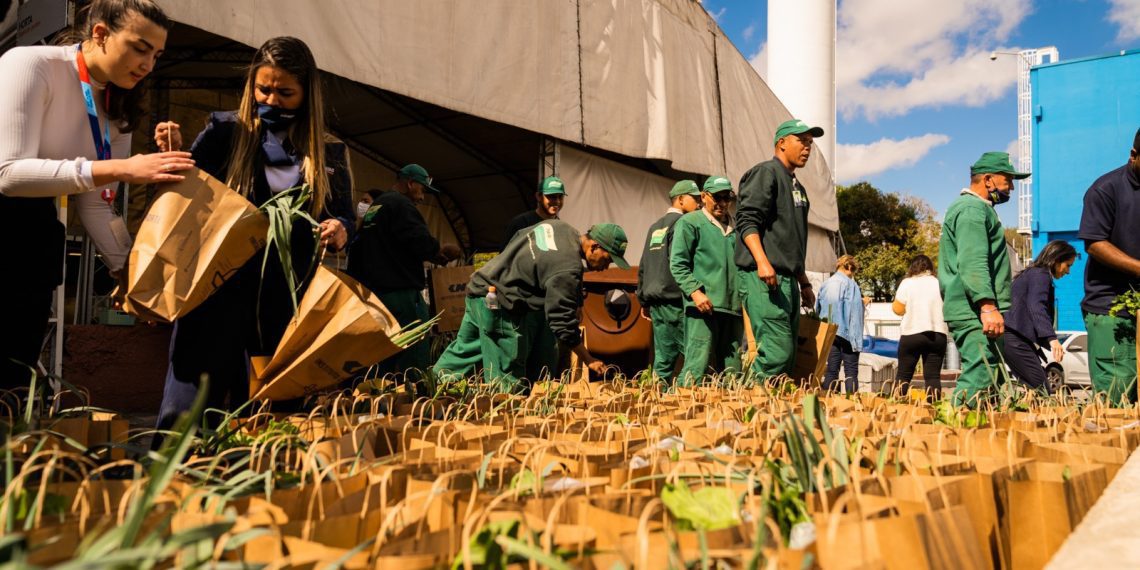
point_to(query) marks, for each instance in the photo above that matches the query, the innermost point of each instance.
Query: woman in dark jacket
(274, 142)
(1029, 322)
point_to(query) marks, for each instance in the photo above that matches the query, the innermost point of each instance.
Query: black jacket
(393, 244)
(1033, 306)
(655, 283)
(211, 152)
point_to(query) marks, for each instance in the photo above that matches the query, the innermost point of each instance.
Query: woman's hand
(168, 136)
(333, 234)
(1058, 350)
(142, 168)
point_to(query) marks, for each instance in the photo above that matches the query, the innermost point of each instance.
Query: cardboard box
(449, 293)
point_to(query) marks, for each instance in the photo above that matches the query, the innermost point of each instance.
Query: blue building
(1086, 112)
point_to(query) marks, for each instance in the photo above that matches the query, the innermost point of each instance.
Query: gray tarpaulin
(649, 79)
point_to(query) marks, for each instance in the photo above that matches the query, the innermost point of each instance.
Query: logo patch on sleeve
(657, 238)
(544, 237)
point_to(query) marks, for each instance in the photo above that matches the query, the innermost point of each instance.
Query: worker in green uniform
(1112, 240)
(388, 258)
(771, 228)
(540, 272)
(974, 274)
(703, 263)
(657, 290)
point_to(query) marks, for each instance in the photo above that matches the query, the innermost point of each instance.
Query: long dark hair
(308, 134)
(127, 106)
(1053, 254)
(920, 264)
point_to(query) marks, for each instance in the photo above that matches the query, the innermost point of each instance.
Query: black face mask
(999, 196)
(275, 118)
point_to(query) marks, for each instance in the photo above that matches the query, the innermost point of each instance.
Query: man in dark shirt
(771, 229)
(657, 290)
(539, 274)
(1112, 240)
(550, 197)
(388, 257)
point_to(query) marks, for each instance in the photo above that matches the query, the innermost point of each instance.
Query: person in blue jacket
(841, 302)
(1029, 322)
(274, 142)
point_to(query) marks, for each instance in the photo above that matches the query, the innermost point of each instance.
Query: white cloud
(1126, 15)
(856, 162)
(893, 57)
(1014, 153)
(759, 61)
(749, 32)
(719, 13)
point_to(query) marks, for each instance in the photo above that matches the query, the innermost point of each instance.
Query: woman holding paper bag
(275, 141)
(69, 111)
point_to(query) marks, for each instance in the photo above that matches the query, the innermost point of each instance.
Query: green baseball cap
(552, 185)
(685, 187)
(795, 127)
(417, 173)
(996, 162)
(717, 184)
(612, 239)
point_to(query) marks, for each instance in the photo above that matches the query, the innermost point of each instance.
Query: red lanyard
(102, 137)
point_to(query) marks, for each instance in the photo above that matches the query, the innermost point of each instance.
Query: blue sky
(923, 86)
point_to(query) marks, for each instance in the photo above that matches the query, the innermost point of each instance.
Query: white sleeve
(24, 97)
(107, 230)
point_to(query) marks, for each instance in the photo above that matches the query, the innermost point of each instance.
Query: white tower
(801, 63)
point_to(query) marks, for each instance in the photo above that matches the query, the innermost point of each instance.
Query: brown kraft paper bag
(340, 329)
(449, 295)
(1046, 506)
(813, 343)
(195, 236)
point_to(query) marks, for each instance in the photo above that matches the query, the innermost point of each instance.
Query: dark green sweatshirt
(702, 258)
(655, 284)
(973, 263)
(774, 205)
(539, 272)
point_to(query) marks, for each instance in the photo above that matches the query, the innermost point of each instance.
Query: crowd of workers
(719, 258)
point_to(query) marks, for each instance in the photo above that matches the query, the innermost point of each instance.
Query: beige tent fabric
(601, 190)
(661, 79)
(649, 82)
(504, 60)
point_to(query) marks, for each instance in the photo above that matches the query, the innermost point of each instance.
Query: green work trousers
(668, 338)
(501, 342)
(981, 361)
(408, 306)
(774, 314)
(1112, 357)
(543, 358)
(712, 345)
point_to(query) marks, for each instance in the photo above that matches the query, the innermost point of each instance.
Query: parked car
(1073, 370)
(881, 346)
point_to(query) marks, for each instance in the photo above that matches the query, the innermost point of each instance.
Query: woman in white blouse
(919, 301)
(68, 115)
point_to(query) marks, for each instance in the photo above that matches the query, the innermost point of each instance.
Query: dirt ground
(122, 367)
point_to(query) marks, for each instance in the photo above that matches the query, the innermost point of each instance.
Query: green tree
(883, 266)
(868, 216)
(884, 231)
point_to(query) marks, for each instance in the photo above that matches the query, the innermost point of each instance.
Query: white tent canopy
(654, 80)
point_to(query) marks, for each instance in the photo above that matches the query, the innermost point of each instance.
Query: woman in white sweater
(68, 115)
(923, 332)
